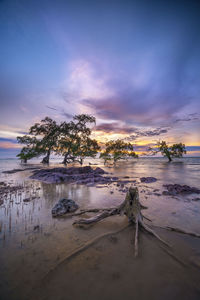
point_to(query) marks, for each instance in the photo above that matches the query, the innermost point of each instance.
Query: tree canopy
(75, 142)
(42, 140)
(116, 150)
(176, 150)
(71, 139)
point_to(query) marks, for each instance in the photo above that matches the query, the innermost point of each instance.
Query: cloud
(114, 128)
(133, 131)
(8, 132)
(134, 97)
(190, 117)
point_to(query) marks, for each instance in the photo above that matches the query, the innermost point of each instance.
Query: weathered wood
(97, 218)
(131, 207)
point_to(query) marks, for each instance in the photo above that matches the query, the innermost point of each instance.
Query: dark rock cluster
(64, 206)
(148, 179)
(80, 175)
(175, 189)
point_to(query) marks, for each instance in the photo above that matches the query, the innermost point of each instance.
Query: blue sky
(135, 65)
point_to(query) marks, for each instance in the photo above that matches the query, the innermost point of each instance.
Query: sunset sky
(134, 65)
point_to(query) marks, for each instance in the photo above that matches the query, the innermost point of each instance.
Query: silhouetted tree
(42, 140)
(75, 143)
(176, 150)
(116, 150)
(32, 149)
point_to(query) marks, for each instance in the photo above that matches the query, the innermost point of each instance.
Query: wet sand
(107, 269)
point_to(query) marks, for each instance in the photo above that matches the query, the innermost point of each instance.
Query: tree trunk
(65, 159)
(131, 207)
(167, 153)
(45, 160)
(169, 158)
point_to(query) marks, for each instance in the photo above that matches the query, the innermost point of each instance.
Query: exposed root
(136, 238)
(176, 258)
(84, 211)
(131, 207)
(148, 229)
(182, 231)
(143, 207)
(97, 218)
(84, 247)
(178, 230)
(146, 218)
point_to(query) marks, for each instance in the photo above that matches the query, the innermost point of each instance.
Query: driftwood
(131, 207)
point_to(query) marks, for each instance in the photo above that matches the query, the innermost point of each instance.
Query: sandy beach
(38, 247)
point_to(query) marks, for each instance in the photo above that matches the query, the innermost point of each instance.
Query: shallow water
(32, 242)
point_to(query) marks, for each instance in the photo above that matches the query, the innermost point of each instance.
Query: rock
(99, 171)
(148, 179)
(64, 206)
(195, 199)
(27, 200)
(115, 178)
(79, 175)
(36, 228)
(175, 189)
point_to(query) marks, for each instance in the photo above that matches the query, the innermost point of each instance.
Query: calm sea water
(32, 253)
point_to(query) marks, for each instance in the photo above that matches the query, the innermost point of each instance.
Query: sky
(134, 65)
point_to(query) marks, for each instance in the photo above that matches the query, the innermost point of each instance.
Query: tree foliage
(69, 139)
(116, 150)
(75, 142)
(42, 140)
(32, 149)
(176, 150)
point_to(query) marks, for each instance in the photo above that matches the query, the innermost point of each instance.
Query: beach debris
(175, 189)
(131, 207)
(64, 206)
(148, 179)
(79, 175)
